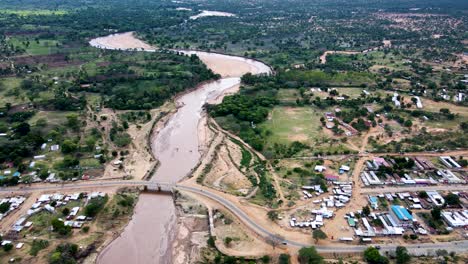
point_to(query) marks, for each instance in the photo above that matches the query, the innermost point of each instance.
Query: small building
(320, 168)
(435, 198)
(456, 218)
(345, 168)
(449, 162)
(401, 215)
(54, 147)
(39, 157)
(331, 177)
(418, 102)
(374, 202)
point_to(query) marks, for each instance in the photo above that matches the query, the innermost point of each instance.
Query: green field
(54, 118)
(39, 47)
(288, 96)
(30, 12)
(10, 92)
(289, 124)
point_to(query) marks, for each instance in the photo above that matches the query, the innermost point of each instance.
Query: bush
(309, 255)
(95, 206)
(227, 241)
(372, 256)
(8, 247)
(64, 254)
(284, 259)
(60, 227)
(402, 256)
(266, 259)
(66, 211)
(38, 245)
(211, 241)
(4, 207)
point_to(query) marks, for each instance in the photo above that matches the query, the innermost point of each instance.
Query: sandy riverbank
(176, 149)
(120, 41)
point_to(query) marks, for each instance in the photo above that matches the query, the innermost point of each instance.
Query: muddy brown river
(148, 236)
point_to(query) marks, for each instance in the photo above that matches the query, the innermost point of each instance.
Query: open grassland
(10, 92)
(351, 92)
(31, 12)
(289, 124)
(35, 47)
(54, 118)
(288, 96)
(433, 106)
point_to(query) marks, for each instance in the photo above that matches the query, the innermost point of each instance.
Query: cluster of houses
(393, 222)
(49, 203)
(330, 118)
(455, 218)
(9, 173)
(424, 172)
(342, 192)
(13, 203)
(399, 218)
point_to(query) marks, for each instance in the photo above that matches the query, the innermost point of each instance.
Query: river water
(149, 235)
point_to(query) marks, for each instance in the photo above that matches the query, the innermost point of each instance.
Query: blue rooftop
(401, 212)
(16, 174)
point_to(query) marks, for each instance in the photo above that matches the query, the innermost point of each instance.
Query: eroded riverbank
(149, 236)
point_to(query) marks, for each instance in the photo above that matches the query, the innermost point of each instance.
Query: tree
(408, 123)
(402, 256)
(69, 146)
(227, 241)
(211, 241)
(64, 254)
(266, 259)
(73, 121)
(284, 259)
(366, 210)
(22, 128)
(95, 206)
(272, 215)
(4, 207)
(318, 234)
(436, 213)
(309, 255)
(452, 199)
(66, 211)
(8, 247)
(423, 195)
(274, 240)
(372, 256)
(41, 122)
(59, 227)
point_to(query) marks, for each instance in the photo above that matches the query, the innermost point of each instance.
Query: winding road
(262, 230)
(417, 249)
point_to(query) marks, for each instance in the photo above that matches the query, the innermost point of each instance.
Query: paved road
(415, 188)
(84, 185)
(418, 249)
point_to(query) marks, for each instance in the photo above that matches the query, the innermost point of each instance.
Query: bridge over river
(148, 185)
